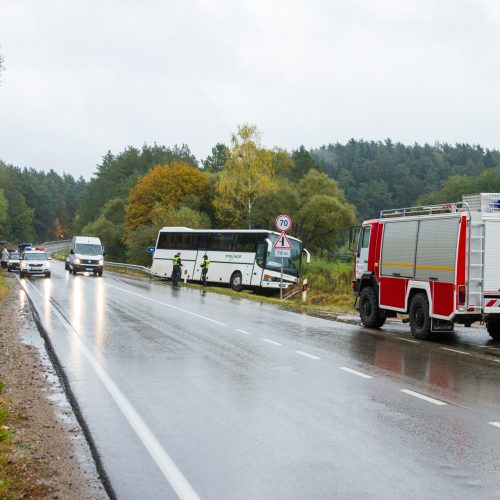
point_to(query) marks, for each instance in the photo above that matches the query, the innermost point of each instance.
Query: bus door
(201, 245)
(260, 261)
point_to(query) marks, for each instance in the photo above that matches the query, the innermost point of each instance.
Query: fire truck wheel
(370, 313)
(493, 326)
(420, 319)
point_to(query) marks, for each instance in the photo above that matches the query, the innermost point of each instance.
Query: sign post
(282, 247)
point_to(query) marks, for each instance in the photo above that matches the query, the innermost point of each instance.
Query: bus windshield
(291, 265)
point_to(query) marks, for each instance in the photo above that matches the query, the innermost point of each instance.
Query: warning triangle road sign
(282, 241)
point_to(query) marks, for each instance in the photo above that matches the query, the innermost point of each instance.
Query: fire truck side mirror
(353, 238)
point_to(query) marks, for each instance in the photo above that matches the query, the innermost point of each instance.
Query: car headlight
(101, 262)
(77, 261)
(24, 265)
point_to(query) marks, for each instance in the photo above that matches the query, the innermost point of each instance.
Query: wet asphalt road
(206, 395)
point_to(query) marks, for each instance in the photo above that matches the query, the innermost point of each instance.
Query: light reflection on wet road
(251, 401)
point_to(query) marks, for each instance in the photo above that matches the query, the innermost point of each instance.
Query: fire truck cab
(439, 264)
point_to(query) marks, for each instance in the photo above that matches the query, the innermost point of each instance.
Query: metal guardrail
(144, 269)
(63, 242)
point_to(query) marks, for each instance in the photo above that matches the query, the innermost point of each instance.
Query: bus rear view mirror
(308, 256)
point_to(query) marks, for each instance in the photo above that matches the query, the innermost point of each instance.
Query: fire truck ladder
(476, 265)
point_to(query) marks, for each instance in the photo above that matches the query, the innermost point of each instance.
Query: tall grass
(4, 288)
(329, 281)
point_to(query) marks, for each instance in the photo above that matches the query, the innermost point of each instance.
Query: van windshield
(88, 249)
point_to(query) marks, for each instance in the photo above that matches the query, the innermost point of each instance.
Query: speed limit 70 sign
(283, 222)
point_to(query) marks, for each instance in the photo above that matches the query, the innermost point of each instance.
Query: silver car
(14, 262)
(35, 262)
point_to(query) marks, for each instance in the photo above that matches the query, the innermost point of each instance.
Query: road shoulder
(47, 456)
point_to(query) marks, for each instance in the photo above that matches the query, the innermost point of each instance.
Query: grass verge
(4, 288)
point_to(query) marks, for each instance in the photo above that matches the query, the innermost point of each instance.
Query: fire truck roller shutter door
(437, 249)
(398, 249)
(492, 257)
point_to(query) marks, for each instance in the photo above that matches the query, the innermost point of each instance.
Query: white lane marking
(271, 341)
(455, 350)
(495, 424)
(407, 340)
(167, 305)
(242, 331)
(354, 372)
(425, 398)
(307, 355)
(162, 459)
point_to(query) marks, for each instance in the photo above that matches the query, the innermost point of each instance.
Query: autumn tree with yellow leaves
(164, 185)
(249, 174)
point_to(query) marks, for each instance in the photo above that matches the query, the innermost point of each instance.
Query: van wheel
(47, 275)
(493, 326)
(369, 311)
(237, 282)
(420, 318)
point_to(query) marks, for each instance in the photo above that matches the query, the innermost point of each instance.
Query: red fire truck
(439, 264)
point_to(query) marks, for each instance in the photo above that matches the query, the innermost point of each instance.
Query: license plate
(89, 269)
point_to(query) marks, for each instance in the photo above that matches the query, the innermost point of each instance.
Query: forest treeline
(242, 184)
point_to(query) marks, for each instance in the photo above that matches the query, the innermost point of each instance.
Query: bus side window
(260, 256)
(222, 242)
(203, 241)
(244, 242)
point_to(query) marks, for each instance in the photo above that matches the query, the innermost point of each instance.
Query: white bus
(237, 257)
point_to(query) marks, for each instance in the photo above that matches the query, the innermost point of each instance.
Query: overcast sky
(84, 77)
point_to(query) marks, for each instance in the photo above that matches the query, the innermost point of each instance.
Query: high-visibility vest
(205, 264)
(176, 261)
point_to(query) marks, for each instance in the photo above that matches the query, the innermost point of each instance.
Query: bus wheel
(369, 311)
(237, 282)
(420, 319)
(493, 327)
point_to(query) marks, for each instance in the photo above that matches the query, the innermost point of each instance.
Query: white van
(86, 254)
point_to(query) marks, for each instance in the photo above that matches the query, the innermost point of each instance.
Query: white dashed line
(271, 341)
(242, 331)
(455, 350)
(354, 372)
(408, 340)
(307, 355)
(495, 424)
(425, 398)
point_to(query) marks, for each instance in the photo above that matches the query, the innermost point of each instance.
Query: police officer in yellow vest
(204, 270)
(177, 270)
